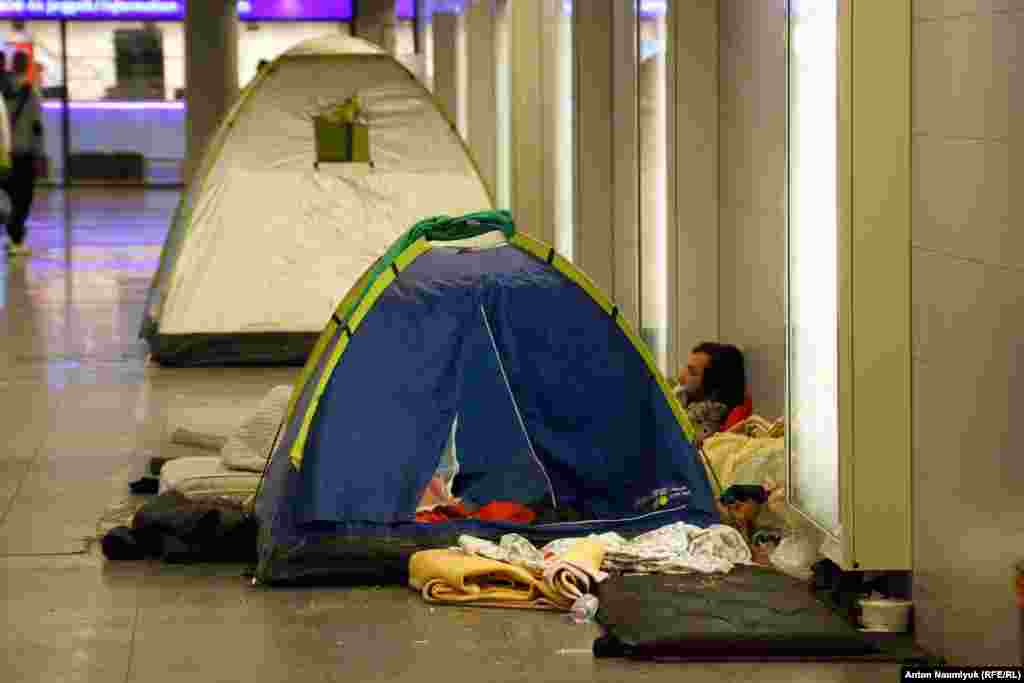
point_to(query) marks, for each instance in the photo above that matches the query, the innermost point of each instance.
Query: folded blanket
(453, 577)
(577, 572)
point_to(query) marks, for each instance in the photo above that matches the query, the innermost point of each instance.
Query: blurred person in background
(6, 82)
(27, 157)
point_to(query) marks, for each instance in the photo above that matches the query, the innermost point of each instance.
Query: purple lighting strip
(172, 10)
(117, 106)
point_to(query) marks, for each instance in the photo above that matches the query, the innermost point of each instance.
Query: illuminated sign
(172, 10)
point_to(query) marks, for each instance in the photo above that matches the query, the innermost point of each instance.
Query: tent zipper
(515, 406)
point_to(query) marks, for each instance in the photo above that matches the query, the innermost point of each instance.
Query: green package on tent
(341, 137)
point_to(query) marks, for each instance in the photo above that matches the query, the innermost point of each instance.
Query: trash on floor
(584, 609)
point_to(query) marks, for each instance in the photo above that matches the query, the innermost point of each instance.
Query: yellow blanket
(455, 577)
(577, 572)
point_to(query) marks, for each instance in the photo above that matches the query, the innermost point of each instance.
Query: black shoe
(145, 485)
(120, 544)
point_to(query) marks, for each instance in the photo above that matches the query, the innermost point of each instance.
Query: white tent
(264, 238)
(6, 161)
(6, 140)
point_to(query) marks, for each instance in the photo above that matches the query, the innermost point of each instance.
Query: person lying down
(711, 386)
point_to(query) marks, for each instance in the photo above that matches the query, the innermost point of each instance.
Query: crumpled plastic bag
(796, 555)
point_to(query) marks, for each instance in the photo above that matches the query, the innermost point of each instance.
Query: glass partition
(565, 104)
(652, 129)
(503, 104)
(813, 263)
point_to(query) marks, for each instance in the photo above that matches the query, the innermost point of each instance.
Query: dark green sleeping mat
(752, 613)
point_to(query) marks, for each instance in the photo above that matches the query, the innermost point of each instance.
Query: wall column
(211, 73)
(449, 46)
(607, 233)
(481, 96)
(532, 187)
(693, 225)
(375, 21)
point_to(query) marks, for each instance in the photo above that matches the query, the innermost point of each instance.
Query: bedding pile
(236, 470)
(747, 469)
(514, 573)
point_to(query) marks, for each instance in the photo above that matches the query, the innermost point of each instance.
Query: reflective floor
(82, 413)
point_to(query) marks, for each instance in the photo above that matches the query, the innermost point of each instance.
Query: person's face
(693, 374)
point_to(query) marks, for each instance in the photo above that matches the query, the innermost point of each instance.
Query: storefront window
(126, 83)
(126, 80)
(652, 93)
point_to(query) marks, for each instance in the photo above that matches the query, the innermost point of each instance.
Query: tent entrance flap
(515, 406)
(495, 456)
(439, 489)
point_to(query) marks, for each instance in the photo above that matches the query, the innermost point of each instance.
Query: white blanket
(674, 549)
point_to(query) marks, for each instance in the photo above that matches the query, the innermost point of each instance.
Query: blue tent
(504, 352)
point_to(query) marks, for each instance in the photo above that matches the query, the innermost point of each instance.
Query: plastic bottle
(584, 609)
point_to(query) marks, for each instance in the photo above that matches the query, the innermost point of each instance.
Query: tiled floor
(81, 413)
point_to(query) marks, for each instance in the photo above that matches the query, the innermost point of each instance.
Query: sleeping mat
(751, 612)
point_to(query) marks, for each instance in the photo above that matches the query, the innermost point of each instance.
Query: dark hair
(725, 377)
(261, 64)
(20, 63)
